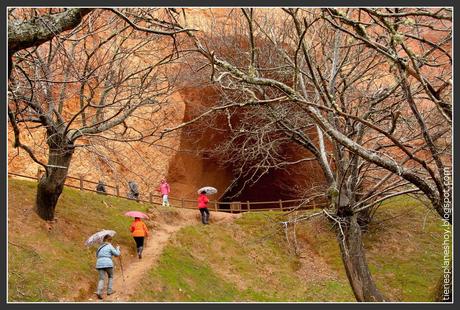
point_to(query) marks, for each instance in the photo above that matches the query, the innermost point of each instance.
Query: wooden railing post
(215, 205)
(281, 204)
(151, 198)
(248, 205)
(81, 182)
(117, 188)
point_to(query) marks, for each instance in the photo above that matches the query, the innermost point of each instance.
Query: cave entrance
(192, 167)
(275, 190)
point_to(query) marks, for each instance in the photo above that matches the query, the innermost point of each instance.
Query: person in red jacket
(139, 231)
(202, 206)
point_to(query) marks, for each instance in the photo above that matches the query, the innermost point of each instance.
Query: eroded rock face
(185, 158)
(114, 162)
(191, 167)
(196, 165)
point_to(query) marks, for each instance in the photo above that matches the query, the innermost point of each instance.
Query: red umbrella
(137, 214)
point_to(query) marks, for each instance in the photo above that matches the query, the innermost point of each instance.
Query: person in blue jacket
(104, 264)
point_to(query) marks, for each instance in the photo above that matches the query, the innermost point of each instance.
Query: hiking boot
(99, 296)
(112, 292)
(140, 256)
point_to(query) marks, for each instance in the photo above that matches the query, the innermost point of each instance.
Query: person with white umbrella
(104, 264)
(203, 202)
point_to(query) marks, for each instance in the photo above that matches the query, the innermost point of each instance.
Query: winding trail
(124, 288)
(135, 269)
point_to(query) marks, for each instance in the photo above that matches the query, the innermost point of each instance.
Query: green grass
(244, 260)
(187, 279)
(49, 265)
(405, 249)
(250, 261)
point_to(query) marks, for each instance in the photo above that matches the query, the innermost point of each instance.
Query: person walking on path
(139, 231)
(203, 207)
(164, 190)
(104, 264)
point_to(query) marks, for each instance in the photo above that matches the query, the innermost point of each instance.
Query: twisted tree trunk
(51, 184)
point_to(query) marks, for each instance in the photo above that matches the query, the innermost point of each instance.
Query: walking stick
(122, 273)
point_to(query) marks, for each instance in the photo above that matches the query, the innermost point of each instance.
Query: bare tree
(33, 29)
(301, 68)
(95, 83)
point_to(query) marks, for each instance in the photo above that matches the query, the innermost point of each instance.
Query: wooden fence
(220, 206)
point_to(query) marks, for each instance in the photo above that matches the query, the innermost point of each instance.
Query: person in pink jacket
(164, 190)
(203, 207)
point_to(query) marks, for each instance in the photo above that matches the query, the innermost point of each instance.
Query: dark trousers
(139, 244)
(204, 215)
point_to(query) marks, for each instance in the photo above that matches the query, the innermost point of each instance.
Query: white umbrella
(99, 236)
(209, 190)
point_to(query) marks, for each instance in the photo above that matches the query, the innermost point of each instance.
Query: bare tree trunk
(51, 184)
(354, 261)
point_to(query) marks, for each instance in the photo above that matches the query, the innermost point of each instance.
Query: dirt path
(136, 270)
(162, 232)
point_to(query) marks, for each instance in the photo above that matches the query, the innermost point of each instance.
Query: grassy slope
(404, 249)
(250, 261)
(406, 252)
(243, 262)
(49, 265)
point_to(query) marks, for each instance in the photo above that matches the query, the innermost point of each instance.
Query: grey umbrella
(209, 190)
(99, 236)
